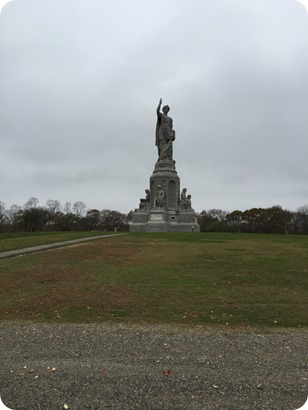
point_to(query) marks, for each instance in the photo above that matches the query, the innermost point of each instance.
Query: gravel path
(83, 367)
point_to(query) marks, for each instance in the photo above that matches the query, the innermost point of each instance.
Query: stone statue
(165, 135)
(159, 200)
(188, 203)
(145, 202)
(185, 200)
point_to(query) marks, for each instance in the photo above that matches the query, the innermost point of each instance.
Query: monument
(165, 208)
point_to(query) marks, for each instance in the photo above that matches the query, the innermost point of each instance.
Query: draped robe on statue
(164, 137)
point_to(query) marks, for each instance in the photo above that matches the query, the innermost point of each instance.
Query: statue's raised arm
(158, 108)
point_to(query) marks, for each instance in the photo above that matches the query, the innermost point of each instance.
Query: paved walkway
(40, 248)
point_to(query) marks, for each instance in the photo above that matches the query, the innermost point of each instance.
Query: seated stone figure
(145, 202)
(159, 200)
(185, 200)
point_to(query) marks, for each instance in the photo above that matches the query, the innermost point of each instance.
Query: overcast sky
(80, 81)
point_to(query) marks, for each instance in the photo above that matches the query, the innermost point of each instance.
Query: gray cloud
(80, 81)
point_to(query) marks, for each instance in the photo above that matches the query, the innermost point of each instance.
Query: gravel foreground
(93, 367)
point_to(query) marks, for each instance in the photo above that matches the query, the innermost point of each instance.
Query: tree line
(256, 220)
(75, 217)
(55, 217)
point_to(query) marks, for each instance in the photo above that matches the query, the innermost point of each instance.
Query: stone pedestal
(164, 210)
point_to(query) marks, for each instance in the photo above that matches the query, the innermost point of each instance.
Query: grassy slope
(163, 278)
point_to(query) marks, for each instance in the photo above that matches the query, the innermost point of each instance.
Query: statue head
(166, 109)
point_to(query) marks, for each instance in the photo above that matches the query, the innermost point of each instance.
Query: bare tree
(67, 208)
(3, 214)
(79, 208)
(217, 214)
(13, 213)
(301, 219)
(53, 206)
(31, 203)
(303, 209)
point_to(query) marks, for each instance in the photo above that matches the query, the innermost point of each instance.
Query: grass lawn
(12, 241)
(207, 278)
